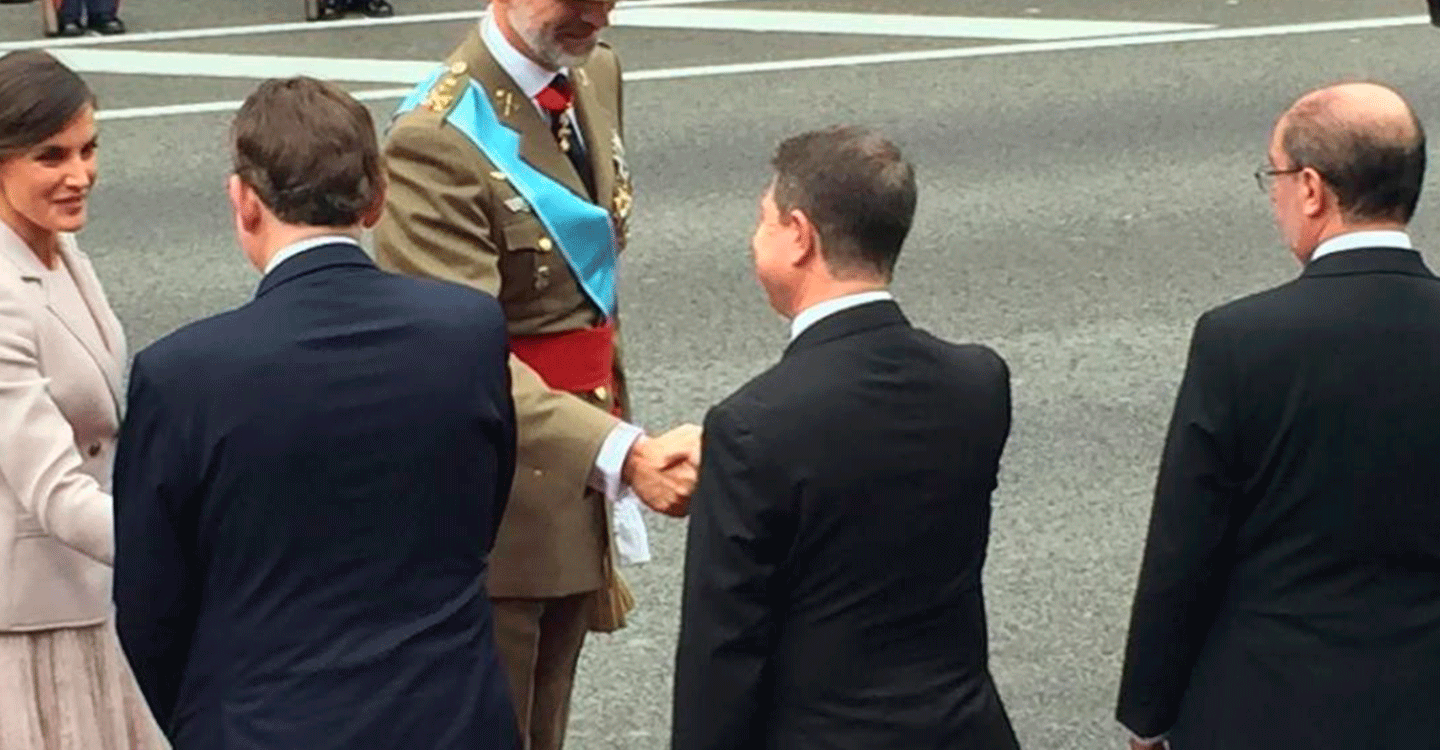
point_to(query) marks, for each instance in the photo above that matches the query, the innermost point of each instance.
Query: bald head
(1366, 143)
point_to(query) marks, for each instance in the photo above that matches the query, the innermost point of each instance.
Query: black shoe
(15, 2)
(330, 10)
(69, 29)
(108, 26)
(375, 8)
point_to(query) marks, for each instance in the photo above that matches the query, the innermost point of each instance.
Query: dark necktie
(558, 100)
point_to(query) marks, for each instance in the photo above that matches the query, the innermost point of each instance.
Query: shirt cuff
(608, 465)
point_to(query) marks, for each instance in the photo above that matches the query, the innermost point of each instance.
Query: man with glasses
(1290, 589)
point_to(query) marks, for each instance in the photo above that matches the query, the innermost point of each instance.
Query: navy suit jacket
(1289, 594)
(836, 546)
(306, 492)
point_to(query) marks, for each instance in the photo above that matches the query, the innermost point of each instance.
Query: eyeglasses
(1266, 174)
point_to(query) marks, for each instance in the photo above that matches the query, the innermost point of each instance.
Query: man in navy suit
(307, 487)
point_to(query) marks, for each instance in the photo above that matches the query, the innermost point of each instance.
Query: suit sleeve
(1190, 543)
(38, 457)
(156, 587)
(741, 528)
(436, 226)
(508, 429)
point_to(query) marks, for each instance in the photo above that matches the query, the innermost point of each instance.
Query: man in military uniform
(507, 172)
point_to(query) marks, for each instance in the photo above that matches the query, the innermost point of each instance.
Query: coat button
(94, 450)
(546, 244)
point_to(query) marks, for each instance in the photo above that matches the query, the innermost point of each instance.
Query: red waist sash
(578, 361)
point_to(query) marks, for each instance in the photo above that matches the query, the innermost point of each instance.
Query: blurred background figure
(73, 18)
(329, 10)
(63, 683)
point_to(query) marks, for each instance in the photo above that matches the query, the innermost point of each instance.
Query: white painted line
(347, 24)
(213, 65)
(953, 53)
(886, 24)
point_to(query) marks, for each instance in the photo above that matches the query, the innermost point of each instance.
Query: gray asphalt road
(1078, 210)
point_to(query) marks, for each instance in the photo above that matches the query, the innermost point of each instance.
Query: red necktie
(556, 99)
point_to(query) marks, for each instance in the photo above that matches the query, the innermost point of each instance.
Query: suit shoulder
(447, 296)
(1250, 309)
(192, 345)
(969, 354)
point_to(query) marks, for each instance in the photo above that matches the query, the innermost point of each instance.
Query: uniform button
(546, 244)
(539, 472)
(602, 393)
(94, 450)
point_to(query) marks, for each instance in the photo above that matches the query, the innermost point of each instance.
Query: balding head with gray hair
(1366, 143)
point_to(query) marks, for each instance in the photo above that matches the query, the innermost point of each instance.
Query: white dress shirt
(815, 313)
(1357, 240)
(290, 251)
(632, 542)
(530, 76)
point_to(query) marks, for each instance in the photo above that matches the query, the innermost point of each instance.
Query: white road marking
(214, 65)
(886, 24)
(349, 24)
(953, 53)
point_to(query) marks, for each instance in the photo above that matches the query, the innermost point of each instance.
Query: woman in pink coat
(64, 684)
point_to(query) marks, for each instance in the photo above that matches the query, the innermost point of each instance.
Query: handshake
(663, 470)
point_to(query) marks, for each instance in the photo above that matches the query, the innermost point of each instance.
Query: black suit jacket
(306, 491)
(1290, 589)
(838, 532)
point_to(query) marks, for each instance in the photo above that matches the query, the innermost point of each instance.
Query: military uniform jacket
(450, 215)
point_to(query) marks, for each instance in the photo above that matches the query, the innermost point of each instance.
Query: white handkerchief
(632, 541)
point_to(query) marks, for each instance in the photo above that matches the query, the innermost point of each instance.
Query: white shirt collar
(290, 251)
(1358, 240)
(530, 76)
(813, 314)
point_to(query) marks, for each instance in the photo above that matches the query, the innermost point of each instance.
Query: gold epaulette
(446, 91)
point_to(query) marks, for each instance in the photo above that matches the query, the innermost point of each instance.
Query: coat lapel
(599, 138)
(106, 353)
(77, 322)
(518, 112)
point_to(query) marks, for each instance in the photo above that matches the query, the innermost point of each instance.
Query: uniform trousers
(539, 642)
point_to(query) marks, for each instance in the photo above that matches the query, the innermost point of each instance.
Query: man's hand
(663, 470)
(1138, 744)
(686, 439)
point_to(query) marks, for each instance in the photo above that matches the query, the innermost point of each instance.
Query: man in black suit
(839, 526)
(1290, 590)
(307, 487)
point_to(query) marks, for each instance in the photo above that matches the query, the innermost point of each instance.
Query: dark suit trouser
(540, 642)
(91, 10)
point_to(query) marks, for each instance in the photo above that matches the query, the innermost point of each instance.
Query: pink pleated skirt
(71, 689)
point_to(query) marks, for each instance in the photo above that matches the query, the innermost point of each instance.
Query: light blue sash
(582, 230)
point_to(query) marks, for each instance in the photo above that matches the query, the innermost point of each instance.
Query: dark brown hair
(309, 150)
(857, 190)
(39, 96)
